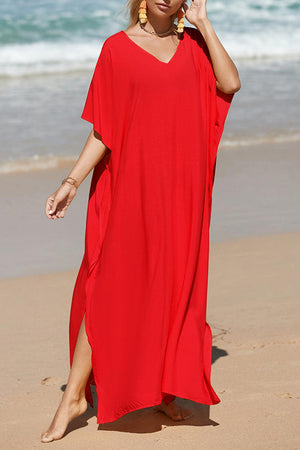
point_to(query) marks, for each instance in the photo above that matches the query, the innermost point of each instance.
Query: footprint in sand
(287, 395)
(51, 381)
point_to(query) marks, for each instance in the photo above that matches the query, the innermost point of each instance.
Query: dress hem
(152, 404)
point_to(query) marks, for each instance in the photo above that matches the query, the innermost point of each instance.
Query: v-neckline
(150, 54)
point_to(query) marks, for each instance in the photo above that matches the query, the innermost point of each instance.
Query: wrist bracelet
(71, 181)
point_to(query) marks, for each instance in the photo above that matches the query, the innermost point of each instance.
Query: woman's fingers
(63, 211)
(50, 206)
(57, 203)
(57, 213)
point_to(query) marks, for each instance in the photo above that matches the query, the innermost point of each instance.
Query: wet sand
(256, 191)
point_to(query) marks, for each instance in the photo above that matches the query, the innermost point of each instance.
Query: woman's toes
(182, 414)
(46, 438)
(52, 436)
(187, 415)
(177, 417)
(174, 411)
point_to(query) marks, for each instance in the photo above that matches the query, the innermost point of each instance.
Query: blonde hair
(132, 10)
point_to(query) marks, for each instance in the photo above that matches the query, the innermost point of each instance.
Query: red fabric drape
(143, 278)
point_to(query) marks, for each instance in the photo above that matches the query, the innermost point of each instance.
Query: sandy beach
(253, 310)
(47, 57)
(254, 313)
(253, 295)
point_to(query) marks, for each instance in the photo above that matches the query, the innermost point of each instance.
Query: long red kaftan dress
(143, 278)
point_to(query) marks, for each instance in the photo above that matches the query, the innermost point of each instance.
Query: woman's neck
(158, 24)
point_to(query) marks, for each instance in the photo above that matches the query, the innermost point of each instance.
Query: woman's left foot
(174, 411)
(66, 412)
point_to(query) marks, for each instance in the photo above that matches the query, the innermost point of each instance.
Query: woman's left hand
(196, 12)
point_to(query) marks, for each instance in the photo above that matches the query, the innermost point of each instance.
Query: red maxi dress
(143, 280)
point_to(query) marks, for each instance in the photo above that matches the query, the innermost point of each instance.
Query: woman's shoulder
(197, 41)
(113, 40)
(194, 33)
(109, 47)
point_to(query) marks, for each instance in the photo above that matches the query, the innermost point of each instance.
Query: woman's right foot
(174, 410)
(67, 411)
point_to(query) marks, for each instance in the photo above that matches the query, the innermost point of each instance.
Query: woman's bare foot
(173, 410)
(67, 411)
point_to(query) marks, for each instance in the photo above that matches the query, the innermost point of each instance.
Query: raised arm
(92, 153)
(225, 71)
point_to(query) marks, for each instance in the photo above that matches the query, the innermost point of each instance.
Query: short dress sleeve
(223, 102)
(220, 102)
(98, 107)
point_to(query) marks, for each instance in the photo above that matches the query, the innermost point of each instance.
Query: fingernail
(50, 212)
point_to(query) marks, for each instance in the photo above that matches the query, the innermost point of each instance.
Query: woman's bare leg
(73, 402)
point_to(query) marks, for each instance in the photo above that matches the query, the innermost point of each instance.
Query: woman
(158, 102)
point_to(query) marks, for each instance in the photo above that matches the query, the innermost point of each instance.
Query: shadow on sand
(147, 420)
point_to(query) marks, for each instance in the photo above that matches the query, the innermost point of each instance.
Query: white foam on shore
(40, 58)
(35, 163)
(230, 143)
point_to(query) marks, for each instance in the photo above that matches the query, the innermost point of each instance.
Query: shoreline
(253, 311)
(38, 163)
(266, 108)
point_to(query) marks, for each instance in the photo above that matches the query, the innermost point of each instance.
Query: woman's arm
(92, 153)
(225, 71)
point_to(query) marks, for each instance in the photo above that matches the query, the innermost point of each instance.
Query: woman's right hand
(57, 203)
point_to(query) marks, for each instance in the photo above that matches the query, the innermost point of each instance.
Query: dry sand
(253, 309)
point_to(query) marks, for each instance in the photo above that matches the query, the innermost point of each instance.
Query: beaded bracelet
(73, 182)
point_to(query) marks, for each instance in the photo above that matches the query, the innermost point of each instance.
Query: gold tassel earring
(180, 23)
(143, 12)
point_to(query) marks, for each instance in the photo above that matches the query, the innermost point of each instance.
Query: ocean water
(39, 36)
(48, 50)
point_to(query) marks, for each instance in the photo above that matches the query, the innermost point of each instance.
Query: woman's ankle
(73, 395)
